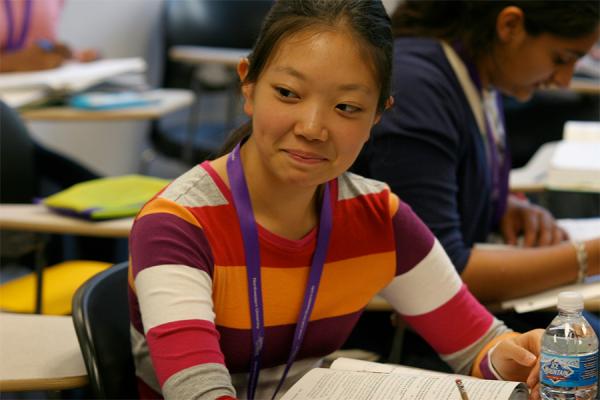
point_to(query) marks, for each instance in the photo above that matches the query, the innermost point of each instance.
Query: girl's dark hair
(366, 19)
(473, 22)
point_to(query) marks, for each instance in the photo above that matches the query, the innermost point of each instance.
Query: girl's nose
(311, 125)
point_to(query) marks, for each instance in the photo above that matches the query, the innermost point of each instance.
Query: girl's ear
(389, 103)
(510, 24)
(247, 88)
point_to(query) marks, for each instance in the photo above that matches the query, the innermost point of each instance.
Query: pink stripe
(455, 325)
(178, 345)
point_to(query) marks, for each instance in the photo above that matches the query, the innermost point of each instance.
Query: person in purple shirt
(442, 146)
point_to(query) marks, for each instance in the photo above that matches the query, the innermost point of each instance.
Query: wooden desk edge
(21, 385)
(83, 231)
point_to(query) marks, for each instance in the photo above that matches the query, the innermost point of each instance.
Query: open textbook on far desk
(350, 379)
(20, 89)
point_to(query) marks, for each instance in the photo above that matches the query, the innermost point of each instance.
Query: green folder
(106, 198)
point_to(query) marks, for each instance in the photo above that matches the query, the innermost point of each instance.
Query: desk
(169, 100)
(208, 55)
(39, 352)
(37, 218)
(585, 86)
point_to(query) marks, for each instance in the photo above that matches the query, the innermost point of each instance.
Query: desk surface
(39, 352)
(208, 55)
(37, 218)
(170, 100)
(585, 86)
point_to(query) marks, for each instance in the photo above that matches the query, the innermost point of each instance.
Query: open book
(570, 164)
(19, 89)
(350, 379)
(575, 164)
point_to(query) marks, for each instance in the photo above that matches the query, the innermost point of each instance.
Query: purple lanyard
(243, 206)
(13, 43)
(499, 168)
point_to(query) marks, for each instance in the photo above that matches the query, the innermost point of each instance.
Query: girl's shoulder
(198, 187)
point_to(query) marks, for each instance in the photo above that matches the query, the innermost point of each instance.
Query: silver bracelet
(582, 260)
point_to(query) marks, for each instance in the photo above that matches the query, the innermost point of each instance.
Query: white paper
(581, 229)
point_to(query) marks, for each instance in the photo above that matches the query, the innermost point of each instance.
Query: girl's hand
(517, 358)
(535, 223)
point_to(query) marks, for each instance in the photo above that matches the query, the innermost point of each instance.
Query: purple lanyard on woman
(13, 43)
(500, 168)
(243, 206)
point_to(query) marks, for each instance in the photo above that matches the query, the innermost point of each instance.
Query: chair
(101, 319)
(209, 23)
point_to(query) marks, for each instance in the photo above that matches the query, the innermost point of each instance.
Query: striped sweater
(191, 329)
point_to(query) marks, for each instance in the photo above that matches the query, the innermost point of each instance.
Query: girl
(248, 269)
(442, 148)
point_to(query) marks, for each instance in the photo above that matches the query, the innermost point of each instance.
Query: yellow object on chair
(60, 282)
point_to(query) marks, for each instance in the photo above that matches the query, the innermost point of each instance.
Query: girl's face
(523, 63)
(312, 107)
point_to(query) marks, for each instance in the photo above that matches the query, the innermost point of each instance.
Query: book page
(332, 384)
(582, 131)
(581, 228)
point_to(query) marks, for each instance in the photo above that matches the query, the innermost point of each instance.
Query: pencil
(461, 389)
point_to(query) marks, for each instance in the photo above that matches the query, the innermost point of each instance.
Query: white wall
(117, 28)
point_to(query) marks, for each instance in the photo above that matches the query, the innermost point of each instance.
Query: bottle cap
(570, 301)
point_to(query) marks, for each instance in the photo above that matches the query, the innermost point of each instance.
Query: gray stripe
(352, 185)
(195, 188)
(462, 361)
(141, 358)
(205, 381)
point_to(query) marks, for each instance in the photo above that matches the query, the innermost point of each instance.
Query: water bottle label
(569, 371)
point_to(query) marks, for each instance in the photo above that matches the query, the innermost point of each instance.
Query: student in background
(28, 37)
(267, 255)
(442, 147)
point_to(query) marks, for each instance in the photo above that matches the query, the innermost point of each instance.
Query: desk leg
(40, 262)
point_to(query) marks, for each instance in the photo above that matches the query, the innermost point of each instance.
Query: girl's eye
(347, 108)
(283, 92)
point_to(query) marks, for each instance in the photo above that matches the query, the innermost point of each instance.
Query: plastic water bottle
(569, 359)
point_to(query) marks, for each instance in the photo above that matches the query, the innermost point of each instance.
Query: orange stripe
(284, 289)
(394, 203)
(476, 371)
(161, 205)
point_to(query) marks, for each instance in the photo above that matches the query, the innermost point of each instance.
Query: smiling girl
(247, 270)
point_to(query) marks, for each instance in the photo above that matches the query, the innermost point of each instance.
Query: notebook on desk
(575, 164)
(571, 164)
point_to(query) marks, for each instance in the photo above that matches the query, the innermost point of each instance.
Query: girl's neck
(285, 209)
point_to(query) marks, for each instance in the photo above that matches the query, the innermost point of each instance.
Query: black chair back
(101, 319)
(17, 179)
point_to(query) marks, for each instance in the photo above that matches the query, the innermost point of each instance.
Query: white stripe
(352, 185)
(195, 188)
(168, 293)
(430, 284)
